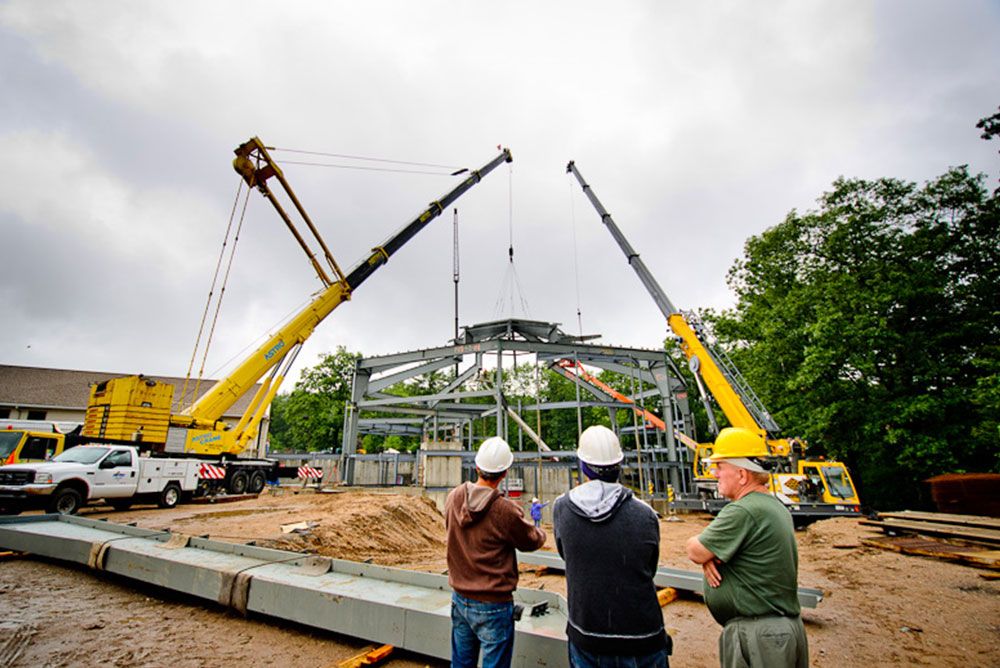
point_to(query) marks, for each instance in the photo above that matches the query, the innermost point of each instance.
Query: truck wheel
(238, 483)
(123, 504)
(9, 510)
(169, 497)
(257, 482)
(66, 501)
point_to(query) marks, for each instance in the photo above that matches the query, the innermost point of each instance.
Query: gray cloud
(697, 127)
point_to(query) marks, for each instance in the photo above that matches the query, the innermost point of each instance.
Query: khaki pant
(764, 642)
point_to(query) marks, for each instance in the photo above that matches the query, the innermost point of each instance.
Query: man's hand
(711, 570)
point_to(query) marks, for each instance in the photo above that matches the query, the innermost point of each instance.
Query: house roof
(68, 389)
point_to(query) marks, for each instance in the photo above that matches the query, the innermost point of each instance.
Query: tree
(990, 127)
(311, 417)
(870, 328)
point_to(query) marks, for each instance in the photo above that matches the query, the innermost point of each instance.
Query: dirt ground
(879, 608)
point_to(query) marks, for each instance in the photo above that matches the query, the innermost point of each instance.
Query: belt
(759, 617)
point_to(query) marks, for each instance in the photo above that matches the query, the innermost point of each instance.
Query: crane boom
(213, 403)
(137, 409)
(737, 401)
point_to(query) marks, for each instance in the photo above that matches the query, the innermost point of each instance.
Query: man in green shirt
(750, 561)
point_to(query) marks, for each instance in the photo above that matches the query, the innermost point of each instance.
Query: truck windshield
(9, 441)
(837, 483)
(82, 454)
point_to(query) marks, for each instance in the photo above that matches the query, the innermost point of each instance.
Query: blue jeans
(581, 658)
(476, 625)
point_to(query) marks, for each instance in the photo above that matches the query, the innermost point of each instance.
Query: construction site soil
(879, 607)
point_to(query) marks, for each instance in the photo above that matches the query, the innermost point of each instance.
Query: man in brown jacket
(484, 530)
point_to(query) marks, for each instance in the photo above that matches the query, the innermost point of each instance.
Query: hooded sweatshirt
(610, 542)
(484, 529)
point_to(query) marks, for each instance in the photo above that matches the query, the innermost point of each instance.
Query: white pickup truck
(115, 473)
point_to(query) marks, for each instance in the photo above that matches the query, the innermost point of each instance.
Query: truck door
(115, 476)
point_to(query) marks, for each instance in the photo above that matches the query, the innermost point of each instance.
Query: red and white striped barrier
(211, 472)
(306, 472)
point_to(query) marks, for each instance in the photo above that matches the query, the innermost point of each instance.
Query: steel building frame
(449, 410)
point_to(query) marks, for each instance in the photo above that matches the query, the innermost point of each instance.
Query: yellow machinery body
(22, 445)
(831, 477)
(132, 408)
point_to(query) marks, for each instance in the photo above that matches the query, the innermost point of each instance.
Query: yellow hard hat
(741, 446)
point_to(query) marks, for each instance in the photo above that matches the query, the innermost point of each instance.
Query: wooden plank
(369, 656)
(987, 536)
(980, 521)
(970, 556)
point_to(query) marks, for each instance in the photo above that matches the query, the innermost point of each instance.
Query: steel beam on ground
(690, 581)
(406, 609)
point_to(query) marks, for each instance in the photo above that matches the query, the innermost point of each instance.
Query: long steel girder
(543, 339)
(690, 581)
(586, 353)
(407, 609)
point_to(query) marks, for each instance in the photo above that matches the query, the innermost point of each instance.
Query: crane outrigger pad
(406, 609)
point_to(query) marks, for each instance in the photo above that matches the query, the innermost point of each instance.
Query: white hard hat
(494, 456)
(599, 447)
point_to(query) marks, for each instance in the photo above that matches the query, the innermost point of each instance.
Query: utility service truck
(116, 474)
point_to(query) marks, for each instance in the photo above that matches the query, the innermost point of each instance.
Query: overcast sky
(697, 124)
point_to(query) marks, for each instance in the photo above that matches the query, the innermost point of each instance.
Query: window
(36, 415)
(120, 458)
(8, 442)
(35, 448)
(4, 413)
(837, 482)
(81, 454)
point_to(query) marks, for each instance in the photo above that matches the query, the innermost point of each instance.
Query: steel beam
(382, 382)
(423, 399)
(407, 609)
(690, 581)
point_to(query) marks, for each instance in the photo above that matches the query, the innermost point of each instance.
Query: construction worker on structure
(484, 530)
(750, 561)
(610, 542)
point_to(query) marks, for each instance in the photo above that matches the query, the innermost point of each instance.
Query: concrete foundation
(438, 469)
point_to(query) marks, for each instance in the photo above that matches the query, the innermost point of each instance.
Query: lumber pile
(972, 528)
(969, 539)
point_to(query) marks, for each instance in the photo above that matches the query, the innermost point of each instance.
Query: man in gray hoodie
(610, 542)
(484, 529)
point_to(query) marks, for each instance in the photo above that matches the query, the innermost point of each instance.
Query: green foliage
(990, 126)
(311, 417)
(870, 326)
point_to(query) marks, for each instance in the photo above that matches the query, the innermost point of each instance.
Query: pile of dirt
(382, 529)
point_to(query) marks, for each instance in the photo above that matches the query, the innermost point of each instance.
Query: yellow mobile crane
(137, 410)
(812, 489)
